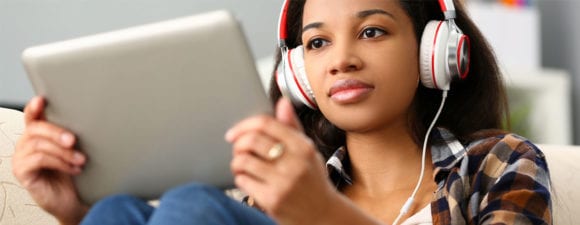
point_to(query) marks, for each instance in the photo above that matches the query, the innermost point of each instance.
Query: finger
(255, 143)
(263, 124)
(252, 166)
(30, 166)
(250, 186)
(285, 113)
(33, 109)
(263, 194)
(68, 155)
(51, 132)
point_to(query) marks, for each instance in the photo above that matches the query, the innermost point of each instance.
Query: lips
(349, 91)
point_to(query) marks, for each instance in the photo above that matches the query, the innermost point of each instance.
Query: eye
(372, 32)
(316, 43)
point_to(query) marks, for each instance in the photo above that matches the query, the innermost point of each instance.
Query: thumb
(285, 113)
(34, 109)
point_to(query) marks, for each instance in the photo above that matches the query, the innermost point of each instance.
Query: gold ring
(276, 151)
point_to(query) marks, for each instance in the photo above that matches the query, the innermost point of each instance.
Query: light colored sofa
(16, 206)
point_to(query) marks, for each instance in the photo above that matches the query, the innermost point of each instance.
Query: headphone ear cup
(432, 56)
(292, 80)
(463, 55)
(281, 76)
(304, 89)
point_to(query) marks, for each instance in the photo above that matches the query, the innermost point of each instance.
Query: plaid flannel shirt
(496, 180)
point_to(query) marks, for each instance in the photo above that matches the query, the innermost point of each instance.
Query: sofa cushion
(16, 206)
(564, 166)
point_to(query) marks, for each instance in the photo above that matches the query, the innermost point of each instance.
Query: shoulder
(499, 152)
(508, 163)
(508, 175)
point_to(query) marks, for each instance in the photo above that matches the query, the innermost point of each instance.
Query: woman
(368, 117)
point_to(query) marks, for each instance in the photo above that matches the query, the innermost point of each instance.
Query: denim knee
(119, 209)
(194, 192)
(194, 202)
(206, 205)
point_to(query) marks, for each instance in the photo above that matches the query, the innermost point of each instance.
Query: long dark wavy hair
(475, 106)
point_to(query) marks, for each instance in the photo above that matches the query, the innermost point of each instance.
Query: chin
(360, 119)
(354, 120)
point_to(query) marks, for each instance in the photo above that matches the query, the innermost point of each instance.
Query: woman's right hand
(44, 162)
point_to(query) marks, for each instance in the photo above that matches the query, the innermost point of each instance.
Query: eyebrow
(361, 14)
(370, 12)
(312, 26)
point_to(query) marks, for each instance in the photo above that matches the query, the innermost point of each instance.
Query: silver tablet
(151, 104)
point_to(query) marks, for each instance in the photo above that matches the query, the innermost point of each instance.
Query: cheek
(406, 65)
(315, 76)
(403, 85)
(398, 71)
(399, 79)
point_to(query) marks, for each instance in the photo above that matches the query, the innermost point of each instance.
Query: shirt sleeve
(515, 179)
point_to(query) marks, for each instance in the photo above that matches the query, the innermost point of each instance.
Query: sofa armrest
(564, 166)
(16, 205)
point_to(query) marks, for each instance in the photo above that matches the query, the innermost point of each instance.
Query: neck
(385, 161)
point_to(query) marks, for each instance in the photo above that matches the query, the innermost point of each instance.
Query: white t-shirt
(423, 217)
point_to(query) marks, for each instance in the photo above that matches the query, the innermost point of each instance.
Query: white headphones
(444, 56)
(445, 50)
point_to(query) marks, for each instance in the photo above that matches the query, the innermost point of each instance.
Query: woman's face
(361, 59)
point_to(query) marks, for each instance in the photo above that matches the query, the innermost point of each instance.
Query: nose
(344, 59)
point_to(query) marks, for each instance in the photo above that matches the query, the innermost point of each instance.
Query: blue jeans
(191, 204)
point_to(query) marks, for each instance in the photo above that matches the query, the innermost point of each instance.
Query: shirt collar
(336, 167)
(446, 152)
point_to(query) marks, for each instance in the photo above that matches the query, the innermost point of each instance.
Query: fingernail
(228, 136)
(78, 158)
(36, 98)
(67, 139)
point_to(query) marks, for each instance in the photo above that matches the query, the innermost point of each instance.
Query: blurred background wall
(24, 23)
(561, 47)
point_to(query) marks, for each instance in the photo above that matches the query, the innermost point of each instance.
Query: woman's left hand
(292, 186)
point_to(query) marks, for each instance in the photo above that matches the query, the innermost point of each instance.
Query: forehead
(321, 10)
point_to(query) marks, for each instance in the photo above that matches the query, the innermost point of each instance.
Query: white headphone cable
(409, 201)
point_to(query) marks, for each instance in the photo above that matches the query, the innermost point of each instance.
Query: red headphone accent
(282, 32)
(464, 69)
(433, 55)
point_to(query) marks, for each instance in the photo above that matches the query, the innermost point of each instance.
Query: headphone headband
(282, 32)
(448, 8)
